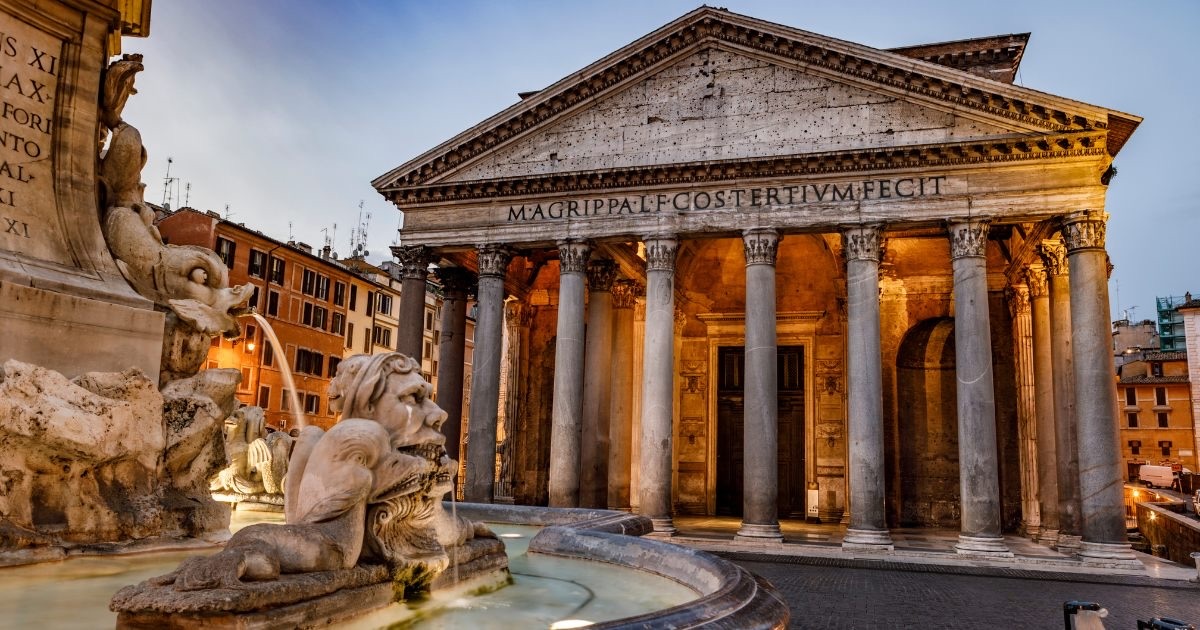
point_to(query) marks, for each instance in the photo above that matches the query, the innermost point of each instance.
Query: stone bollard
(1196, 562)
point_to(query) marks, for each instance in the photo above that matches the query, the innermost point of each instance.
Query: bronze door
(730, 419)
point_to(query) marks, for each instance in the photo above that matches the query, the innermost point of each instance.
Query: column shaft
(1100, 478)
(1065, 428)
(658, 373)
(979, 470)
(1022, 329)
(456, 283)
(863, 247)
(597, 396)
(485, 374)
(1043, 379)
(760, 483)
(566, 415)
(414, 269)
(620, 425)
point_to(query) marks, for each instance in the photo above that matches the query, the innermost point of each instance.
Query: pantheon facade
(739, 268)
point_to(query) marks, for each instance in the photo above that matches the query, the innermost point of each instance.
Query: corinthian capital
(626, 292)
(456, 282)
(863, 242)
(968, 239)
(660, 253)
(761, 245)
(493, 260)
(573, 255)
(600, 274)
(1054, 256)
(1084, 231)
(1035, 279)
(1018, 299)
(414, 261)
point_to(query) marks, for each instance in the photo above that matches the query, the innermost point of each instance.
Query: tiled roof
(1142, 379)
(1165, 355)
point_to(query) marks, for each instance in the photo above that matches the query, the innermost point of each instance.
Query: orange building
(1154, 398)
(302, 295)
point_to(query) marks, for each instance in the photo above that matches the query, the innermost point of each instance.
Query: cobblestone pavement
(847, 597)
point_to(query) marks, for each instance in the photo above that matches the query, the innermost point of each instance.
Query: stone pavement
(924, 583)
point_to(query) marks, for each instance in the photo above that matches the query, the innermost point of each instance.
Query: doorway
(731, 363)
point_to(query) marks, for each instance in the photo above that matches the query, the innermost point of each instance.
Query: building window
(334, 362)
(1165, 445)
(349, 335)
(308, 282)
(1135, 447)
(1162, 420)
(251, 336)
(1160, 396)
(370, 302)
(1131, 396)
(427, 352)
(382, 336)
(244, 385)
(1132, 417)
(307, 317)
(339, 293)
(367, 340)
(320, 316)
(264, 396)
(312, 404)
(277, 266)
(215, 342)
(384, 303)
(353, 297)
(1156, 368)
(338, 324)
(285, 400)
(309, 362)
(258, 264)
(273, 303)
(268, 355)
(225, 250)
(322, 287)
(428, 319)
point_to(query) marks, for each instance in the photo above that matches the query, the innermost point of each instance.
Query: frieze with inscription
(730, 199)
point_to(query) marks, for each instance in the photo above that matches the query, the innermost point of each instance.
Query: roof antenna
(291, 235)
(228, 214)
(168, 184)
(358, 236)
(187, 194)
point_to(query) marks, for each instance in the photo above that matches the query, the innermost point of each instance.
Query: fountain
(113, 439)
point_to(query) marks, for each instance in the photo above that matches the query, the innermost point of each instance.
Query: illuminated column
(978, 463)
(1022, 328)
(620, 425)
(567, 412)
(597, 395)
(1043, 380)
(414, 270)
(1100, 481)
(456, 283)
(485, 374)
(1054, 255)
(658, 374)
(760, 484)
(863, 248)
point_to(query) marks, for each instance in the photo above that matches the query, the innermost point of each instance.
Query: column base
(664, 527)
(992, 547)
(1068, 544)
(867, 540)
(1048, 537)
(1031, 531)
(758, 533)
(1114, 555)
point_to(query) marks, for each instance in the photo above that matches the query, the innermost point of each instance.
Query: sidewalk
(915, 549)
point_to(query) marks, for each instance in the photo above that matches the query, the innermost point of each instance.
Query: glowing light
(511, 536)
(569, 623)
(1153, 516)
(250, 346)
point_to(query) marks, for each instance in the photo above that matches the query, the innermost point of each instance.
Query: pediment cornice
(1018, 108)
(1018, 148)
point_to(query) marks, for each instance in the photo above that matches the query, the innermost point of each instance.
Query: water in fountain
(284, 368)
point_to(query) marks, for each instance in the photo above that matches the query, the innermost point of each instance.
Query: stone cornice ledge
(730, 596)
(993, 150)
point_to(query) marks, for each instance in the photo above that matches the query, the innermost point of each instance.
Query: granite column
(567, 411)
(1022, 331)
(485, 374)
(760, 484)
(658, 374)
(978, 463)
(1043, 380)
(456, 283)
(1100, 480)
(1054, 255)
(597, 395)
(620, 423)
(414, 271)
(863, 249)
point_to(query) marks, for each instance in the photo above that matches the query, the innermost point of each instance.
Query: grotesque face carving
(389, 390)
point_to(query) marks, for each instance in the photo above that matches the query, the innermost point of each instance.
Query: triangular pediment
(718, 104)
(718, 86)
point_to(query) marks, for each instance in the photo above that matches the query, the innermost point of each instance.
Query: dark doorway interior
(731, 363)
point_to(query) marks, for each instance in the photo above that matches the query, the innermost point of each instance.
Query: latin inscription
(748, 199)
(30, 64)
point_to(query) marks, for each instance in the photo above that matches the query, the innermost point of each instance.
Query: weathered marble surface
(258, 461)
(107, 457)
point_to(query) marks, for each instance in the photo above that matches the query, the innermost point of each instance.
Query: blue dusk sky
(287, 109)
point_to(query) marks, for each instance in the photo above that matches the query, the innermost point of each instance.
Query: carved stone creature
(192, 282)
(258, 459)
(339, 474)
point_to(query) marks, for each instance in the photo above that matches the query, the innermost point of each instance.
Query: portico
(817, 240)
